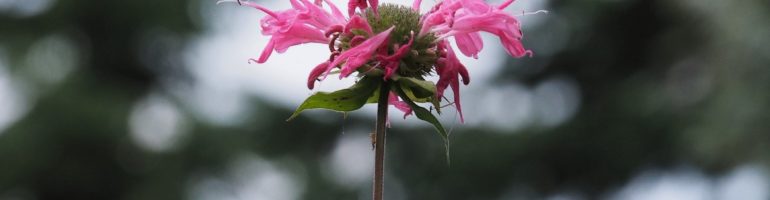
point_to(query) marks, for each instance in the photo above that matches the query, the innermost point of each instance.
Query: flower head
(393, 43)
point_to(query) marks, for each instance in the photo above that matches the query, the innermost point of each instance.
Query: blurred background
(144, 99)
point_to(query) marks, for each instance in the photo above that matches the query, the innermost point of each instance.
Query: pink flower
(409, 45)
(463, 19)
(305, 23)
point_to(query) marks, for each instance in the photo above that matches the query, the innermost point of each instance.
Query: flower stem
(379, 145)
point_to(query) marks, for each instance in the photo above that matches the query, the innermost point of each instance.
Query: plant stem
(379, 143)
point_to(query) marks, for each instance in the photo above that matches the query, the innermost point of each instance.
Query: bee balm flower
(392, 43)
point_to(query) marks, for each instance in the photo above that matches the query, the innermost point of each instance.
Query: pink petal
(463, 19)
(353, 4)
(315, 73)
(296, 5)
(393, 99)
(456, 91)
(358, 22)
(374, 4)
(470, 44)
(336, 11)
(505, 4)
(298, 35)
(361, 54)
(416, 5)
(448, 69)
(392, 62)
(306, 22)
(514, 47)
(266, 52)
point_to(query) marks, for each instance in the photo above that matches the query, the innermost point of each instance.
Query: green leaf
(375, 96)
(426, 116)
(344, 100)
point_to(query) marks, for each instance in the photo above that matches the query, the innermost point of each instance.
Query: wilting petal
(393, 99)
(514, 47)
(450, 70)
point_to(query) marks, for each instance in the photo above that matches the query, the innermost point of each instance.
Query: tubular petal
(416, 5)
(393, 99)
(306, 22)
(450, 70)
(358, 22)
(315, 73)
(463, 19)
(361, 54)
(470, 44)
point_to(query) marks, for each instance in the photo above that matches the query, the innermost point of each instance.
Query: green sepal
(417, 90)
(420, 91)
(426, 116)
(344, 100)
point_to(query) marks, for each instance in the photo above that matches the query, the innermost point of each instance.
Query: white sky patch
(256, 179)
(24, 8)
(156, 124)
(219, 58)
(681, 184)
(507, 107)
(557, 99)
(15, 103)
(207, 187)
(250, 177)
(746, 183)
(351, 163)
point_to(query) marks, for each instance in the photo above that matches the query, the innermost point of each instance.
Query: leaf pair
(411, 90)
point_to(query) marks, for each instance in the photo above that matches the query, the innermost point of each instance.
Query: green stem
(379, 143)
